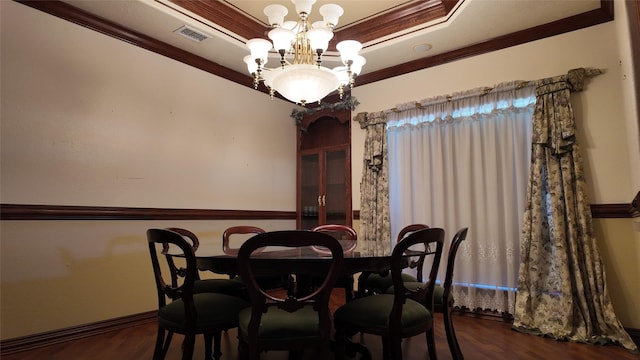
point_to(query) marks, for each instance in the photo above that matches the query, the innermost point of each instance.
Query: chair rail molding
(65, 212)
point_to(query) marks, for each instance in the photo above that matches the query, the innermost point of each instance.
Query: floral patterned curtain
(562, 292)
(374, 189)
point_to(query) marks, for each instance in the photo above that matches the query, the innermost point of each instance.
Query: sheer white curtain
(463, 160)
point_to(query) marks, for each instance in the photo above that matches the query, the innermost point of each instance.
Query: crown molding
(392, 21)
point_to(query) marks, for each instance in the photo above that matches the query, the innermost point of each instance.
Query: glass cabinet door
(323, 172)
(310, 190)
(335, 192)
(323, 188)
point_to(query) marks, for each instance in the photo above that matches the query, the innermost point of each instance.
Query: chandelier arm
(350, 73)
(283, 61)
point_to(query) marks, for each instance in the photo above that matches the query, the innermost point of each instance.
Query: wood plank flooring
(480, 339)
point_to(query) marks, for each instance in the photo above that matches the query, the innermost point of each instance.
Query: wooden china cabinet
(324, 169)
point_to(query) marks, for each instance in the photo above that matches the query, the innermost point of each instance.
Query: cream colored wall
(90, 120)
(619, 248)
(58, 274)
(82, 126)
(608, 133)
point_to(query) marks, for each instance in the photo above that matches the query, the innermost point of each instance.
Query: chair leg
(247, 351)
(385, 348)
(254, 353)
(243, 350)
(340, 337)
(296, 354)
(162, 344)
(217, 353)
(452, 340)
(208, 344)
(392, 348)
(348, 347)
(431, 344)
(362, 279)
(348, 290)
(189, 344)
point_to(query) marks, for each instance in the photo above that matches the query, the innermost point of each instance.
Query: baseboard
(29, 342)
(635, 335)
(490, 315)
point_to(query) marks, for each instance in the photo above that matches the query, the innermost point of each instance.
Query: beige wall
(82, 126)
(619, 248)
(90, 120)
(607, 126)
(57, 274)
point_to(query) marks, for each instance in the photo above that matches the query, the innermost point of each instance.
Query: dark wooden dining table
(212, 258)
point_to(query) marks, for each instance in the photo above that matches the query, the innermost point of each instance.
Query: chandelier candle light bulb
(302, 78)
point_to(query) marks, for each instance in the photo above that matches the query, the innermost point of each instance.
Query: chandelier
(300, 76)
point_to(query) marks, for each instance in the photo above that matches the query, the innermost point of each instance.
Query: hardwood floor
(480, 339)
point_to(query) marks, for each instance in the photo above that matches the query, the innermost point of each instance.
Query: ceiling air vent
(191, 33)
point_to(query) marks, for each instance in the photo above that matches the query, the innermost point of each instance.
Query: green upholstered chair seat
(372, 313)
(438, 293)
(285, 327)
(212, 309)
(380, 283)
(233, 287)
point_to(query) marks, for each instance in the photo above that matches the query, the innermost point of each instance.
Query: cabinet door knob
(323, 200)
(319, 200)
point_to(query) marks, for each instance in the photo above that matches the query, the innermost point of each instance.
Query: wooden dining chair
(374, 283)
(346, 235)
(406, 312)
(182, 311)
(286, 321)
(245, 232)
(348, 238)
(443, 296)
(233, 287)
